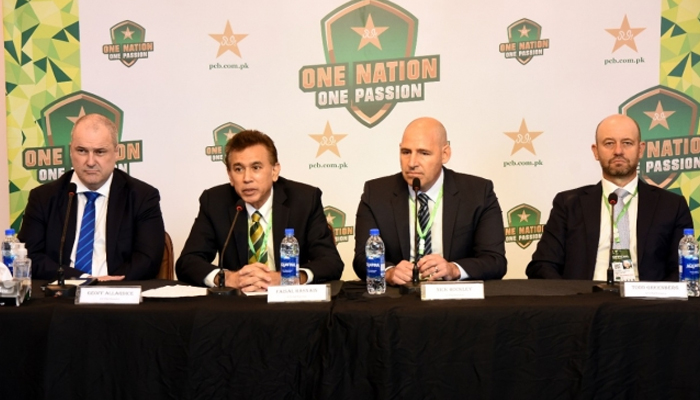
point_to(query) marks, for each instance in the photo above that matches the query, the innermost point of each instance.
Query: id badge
(623, 268)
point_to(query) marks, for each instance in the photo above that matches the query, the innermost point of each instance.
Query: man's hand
(434, 267)
(401, 274)
(106, 278)
(252, 278)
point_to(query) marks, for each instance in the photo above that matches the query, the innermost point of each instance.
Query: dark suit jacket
(135, 233)
(569, 244)
(472, 225)
(294, 205)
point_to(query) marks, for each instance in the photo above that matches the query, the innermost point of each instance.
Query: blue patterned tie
(423, 219)
(86, 241)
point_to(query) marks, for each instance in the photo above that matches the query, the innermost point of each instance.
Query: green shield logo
(222, 134)
(524, 223)
(668, 121)
(127, 33)
(522, 31)
(367, 31)
(336, 219)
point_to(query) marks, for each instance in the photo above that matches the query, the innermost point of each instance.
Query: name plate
(298, 293)
(108, 295)
(452, 290)
(654, 290)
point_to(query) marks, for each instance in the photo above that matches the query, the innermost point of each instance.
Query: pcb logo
(524, 225)
(524, 41)
(668, 122)
(128, 43)
(336, 220)
(57, 120)
(222, 134)
(371, 64)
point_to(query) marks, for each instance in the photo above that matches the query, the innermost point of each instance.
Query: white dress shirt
(99, 252)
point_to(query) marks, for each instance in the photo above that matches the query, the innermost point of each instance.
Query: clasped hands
(431, 267)
(254, 278)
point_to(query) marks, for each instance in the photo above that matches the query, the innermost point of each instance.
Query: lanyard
(620, 215)
(421, 233)
(264, 239)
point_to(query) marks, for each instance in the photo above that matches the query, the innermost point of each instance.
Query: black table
(527, 339)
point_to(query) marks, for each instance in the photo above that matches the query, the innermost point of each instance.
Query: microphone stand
(610, 285)
(61, 289)
(414, 285)
(221, 289)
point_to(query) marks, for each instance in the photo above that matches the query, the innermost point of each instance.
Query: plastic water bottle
(23, 269)
(289, 254)
(374, 250)
(8, 251)
(688, 270)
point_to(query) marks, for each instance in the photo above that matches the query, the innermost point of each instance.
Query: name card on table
(298, 293)
(452, 290)
(108, 295)
(654, 290)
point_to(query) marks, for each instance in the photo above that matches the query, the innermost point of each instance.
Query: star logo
(524, 32)
(524, 216)
(328, 141)
(523, 138)
(370, 33)
(659, 116)
(228, 41)
(127, 33)
(80, 114)
(329, 218)
(229, 134)
(624, 35)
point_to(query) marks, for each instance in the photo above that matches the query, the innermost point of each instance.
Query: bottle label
(288, 266)
(375, 267)
(691, 270)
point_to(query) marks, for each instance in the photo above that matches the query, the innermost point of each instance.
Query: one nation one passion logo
(336, 220)
(668, 120)
(524, 225)
(524, 41)
(128, 43)
(57, 120)
(370, 61)
(222, 134)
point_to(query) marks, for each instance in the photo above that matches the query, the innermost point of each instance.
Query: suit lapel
(399, 205)
(115, 212)
(240, 231)
(590, 206)
(646, 204)
(280, 217)
(72, 221)
(449, 207)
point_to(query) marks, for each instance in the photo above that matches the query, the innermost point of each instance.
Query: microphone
(221, 289)
(62, 289)
(416, 275)
(609, 286)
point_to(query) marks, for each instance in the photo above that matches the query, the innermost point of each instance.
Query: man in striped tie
(266, 204)
(459, 234)
(115, 228)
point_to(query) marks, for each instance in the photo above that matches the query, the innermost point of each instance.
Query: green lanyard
(620, 215)
(264, 239)
(433, 212)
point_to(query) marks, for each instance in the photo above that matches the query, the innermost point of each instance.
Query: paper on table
(175, 291)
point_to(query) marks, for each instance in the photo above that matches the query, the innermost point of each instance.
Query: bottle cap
(289, 232)
(9, 232)
(21, 252)
(688, 231)
(374, 232)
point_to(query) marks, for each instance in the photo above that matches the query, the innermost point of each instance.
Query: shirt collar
(609, 187)
(265, 210)
(434, 190)
(81, 188)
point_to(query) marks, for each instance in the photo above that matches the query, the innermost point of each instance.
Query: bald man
(648, 224)
(461, 235)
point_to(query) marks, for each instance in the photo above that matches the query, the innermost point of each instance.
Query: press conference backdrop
(520, 87)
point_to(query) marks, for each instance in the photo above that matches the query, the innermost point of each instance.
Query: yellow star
(330, 218)
(80, 114)
(523, 138)
(624, 35)
(228, 41)
(127, 33)
(524, 32)
(659, 116)
(524, 216)
(328, 141)
(370, 33)
(229, 134)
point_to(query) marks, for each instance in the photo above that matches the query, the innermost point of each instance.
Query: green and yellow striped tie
(259, 251)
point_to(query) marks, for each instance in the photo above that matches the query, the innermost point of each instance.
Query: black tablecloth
(527, 339)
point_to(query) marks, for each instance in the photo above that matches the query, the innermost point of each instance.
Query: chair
(167, 270)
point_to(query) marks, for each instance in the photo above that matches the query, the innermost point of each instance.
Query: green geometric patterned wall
(42, 63)
(680, 70)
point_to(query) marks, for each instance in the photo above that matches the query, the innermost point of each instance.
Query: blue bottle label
(375, 267)
(288, 267)
(691, 270)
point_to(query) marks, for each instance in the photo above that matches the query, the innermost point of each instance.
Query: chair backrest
(167, 266)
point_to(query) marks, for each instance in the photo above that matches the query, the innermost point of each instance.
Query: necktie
(86, 240)
(423, 219)
(623, 225)
(257, 253)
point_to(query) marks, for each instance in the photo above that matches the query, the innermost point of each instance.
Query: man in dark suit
(267, 199)
(576, 240)
(125, 236)
(463, 236)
